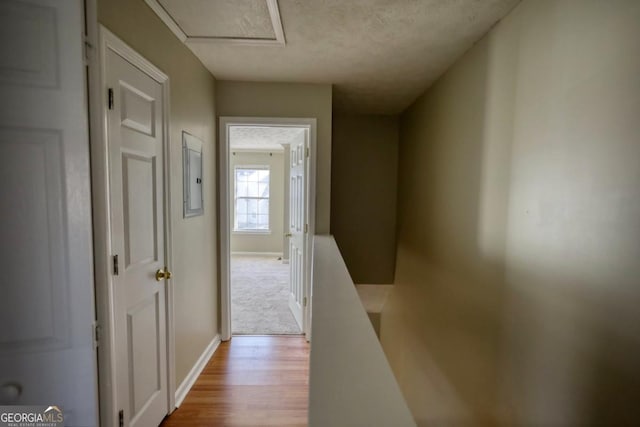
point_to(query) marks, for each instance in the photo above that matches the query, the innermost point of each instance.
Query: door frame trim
(102, 221)
(224, 212)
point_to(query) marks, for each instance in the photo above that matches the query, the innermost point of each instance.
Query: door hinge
(110, 98)
(304, 301)
(97, 333)
(306, 151)
(121, 418)
(116, 266)
(306, 228)
(87, 50)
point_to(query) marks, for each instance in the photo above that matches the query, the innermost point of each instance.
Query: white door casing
(135, 132)
(297, 228)
(225, 177)
(47, 352)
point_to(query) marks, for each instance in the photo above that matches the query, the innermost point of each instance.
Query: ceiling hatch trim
(274, 14)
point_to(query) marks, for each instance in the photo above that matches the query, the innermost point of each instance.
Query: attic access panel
(247, 22)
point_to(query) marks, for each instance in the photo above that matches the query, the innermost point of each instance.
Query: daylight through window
(251, 199)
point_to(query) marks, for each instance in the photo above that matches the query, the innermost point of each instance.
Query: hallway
(250, 380)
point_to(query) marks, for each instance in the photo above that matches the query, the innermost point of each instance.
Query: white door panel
(47, 354)
(297, 217)
(137, 234)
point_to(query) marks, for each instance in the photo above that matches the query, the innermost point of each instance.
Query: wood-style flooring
(250, 381)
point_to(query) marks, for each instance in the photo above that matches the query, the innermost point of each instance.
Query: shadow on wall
(364, 171)
(517, 281)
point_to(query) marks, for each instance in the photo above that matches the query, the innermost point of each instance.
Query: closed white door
(47, 352)
(137, 235)
(297, 228)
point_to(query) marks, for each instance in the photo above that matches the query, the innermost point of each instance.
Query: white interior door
(47, 353)
(137, 235)
(297, 228)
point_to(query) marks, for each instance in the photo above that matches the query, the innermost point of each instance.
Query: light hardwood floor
(250, 381)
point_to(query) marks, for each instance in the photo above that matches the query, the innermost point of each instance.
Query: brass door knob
(163, 274)
(288, 235)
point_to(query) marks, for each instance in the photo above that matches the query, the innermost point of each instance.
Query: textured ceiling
(262, 137)
(379, 54)
(221, 18)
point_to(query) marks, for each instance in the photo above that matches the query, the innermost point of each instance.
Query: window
(251, 198)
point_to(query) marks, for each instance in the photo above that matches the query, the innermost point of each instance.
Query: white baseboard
(270, 254)
(195, 372)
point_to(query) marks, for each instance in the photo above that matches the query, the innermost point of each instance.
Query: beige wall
(192, 109)
(364, 170)
(262, 242)
(247, 99)
(518, 281)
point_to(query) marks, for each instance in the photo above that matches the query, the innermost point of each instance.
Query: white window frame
(235, 199)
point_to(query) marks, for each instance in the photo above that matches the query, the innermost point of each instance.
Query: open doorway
(260, 271)
(267, 182)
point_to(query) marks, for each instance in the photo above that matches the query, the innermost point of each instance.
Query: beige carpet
(260, 297)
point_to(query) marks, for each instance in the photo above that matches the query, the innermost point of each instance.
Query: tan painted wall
(518, 281)
(260, 242)
(364, 171)
(248, 99)
(192, 109)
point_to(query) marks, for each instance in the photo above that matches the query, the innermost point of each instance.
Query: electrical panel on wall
(193, 196)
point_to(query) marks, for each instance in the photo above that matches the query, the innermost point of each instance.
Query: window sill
(257, 232)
